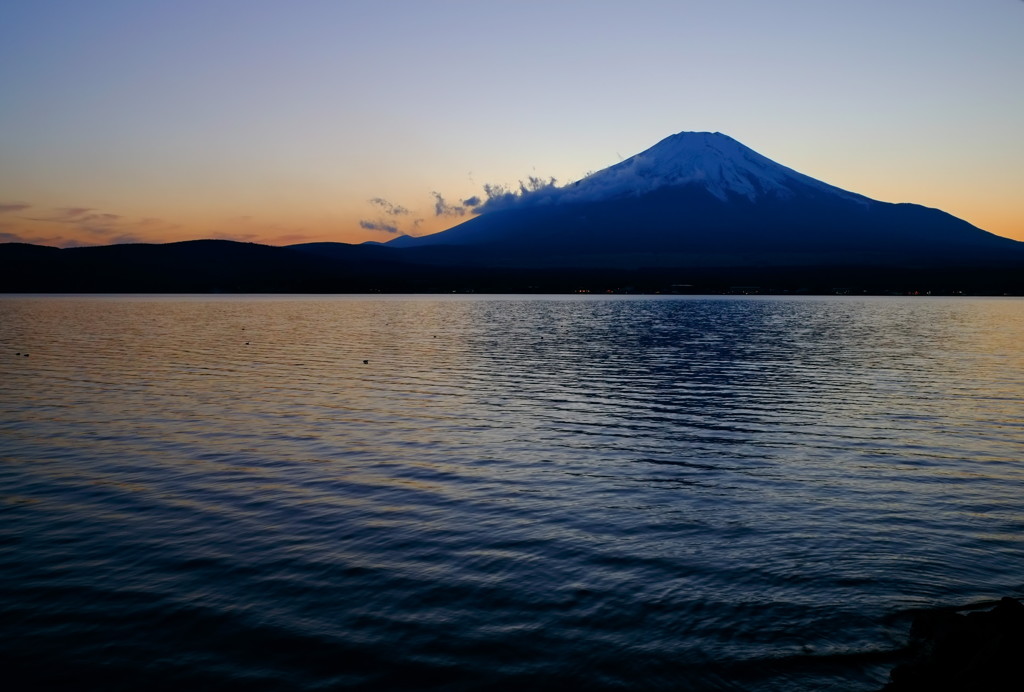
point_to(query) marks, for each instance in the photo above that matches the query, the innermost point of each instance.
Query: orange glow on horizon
(77, 226)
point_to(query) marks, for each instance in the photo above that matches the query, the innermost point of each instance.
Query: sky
(295, 121)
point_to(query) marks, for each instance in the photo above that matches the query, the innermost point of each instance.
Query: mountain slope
(711, 161)
(698, 212)
(700, 198)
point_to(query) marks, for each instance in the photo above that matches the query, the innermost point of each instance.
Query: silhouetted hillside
(210, 266)
(705, 200)
(698, 212)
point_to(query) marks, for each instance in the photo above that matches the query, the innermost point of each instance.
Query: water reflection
(679, 491)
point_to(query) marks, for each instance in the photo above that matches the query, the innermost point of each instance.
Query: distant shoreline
(213, 266)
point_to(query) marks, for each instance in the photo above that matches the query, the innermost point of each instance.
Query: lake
(499, 492)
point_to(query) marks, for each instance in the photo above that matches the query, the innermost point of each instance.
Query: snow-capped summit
(697, 198)
(711, 160)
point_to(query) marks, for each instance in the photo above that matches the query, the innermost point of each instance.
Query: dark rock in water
(973, 652)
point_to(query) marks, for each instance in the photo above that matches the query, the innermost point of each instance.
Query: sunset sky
(352, 120)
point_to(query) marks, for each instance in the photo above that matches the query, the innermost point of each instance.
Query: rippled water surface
(464, 493)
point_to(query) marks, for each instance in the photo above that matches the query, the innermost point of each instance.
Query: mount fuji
(697, 212)
(703, 199)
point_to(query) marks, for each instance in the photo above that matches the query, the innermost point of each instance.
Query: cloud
(237, 237)
(68, 214)
(72, 226)
(91, 226)
(100, 224)
(378, 226)
(537, 184)
(498, 197)
(389, 208)
(473, 201)
(389, 223)
(84, 217)
(291, 239)
(532, 191)
(150, 223)
(125, 239)
(49, 240)
(103, 225)
(12, 207)
(442, 208)
(252, 229)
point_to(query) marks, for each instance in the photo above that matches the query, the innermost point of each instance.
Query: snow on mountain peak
(711, 160)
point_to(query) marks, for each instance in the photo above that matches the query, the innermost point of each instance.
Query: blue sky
(281, 122)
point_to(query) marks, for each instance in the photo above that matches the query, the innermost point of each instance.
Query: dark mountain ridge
(700, 197)
(201, 266)
(697, 212)
(218, 266)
